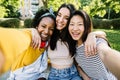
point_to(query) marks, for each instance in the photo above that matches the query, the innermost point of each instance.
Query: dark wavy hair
(41, 14)
(63, 35)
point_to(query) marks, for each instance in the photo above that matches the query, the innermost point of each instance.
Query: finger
(33, 41)
(39, 43)
(33, 44)
(86, 50)
(95, 49)
(36, 45)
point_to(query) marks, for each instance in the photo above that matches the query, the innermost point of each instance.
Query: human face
(46, 27)
(76, 27)
(62, 18)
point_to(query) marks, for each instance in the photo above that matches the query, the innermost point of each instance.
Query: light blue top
(32, 71)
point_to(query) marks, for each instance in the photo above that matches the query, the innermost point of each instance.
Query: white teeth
(75, 34)
(59, 24)
(44, 35)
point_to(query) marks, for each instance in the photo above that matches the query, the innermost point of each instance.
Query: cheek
(69, 29)
(65, 22)
(50, 33)
(82, 28)
(39, 29)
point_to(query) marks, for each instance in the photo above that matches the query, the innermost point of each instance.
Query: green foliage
(112, 15)
(11, 7)
(28, 23)
(2, 12)
(11, 23)
(56, 3)
(101, 7)
(106, 23)
(116, 23)
(85, 2)
(113, 37)
(102, 24)
(95, 8)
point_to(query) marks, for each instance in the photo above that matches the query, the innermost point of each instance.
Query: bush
(106, 24)
(28, 23)
(10, 23)
(96, 23)
(116, 23)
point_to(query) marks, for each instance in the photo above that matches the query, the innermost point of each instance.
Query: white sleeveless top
(60, 56)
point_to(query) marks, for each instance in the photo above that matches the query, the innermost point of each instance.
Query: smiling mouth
(75, 34)
(44, 37)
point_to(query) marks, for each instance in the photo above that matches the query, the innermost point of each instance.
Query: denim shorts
(64, 74)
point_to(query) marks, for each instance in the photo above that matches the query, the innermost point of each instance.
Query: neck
(79, 42)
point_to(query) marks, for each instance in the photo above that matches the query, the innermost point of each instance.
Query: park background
(105, 14)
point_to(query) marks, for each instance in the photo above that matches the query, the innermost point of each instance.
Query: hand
(36, 39)
(90, 45)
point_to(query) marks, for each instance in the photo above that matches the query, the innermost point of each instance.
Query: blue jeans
(64, 74)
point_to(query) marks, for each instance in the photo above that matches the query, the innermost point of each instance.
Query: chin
(44, 39)
(75, 38)
(59, 28)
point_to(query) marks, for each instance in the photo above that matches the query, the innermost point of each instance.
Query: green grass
(113, 37)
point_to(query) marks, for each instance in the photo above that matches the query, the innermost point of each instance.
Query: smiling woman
(19, 56)
(97, 67)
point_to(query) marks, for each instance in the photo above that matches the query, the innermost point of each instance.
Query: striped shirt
(93, 65)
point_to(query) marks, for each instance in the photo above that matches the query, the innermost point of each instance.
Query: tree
(102, 7)
(2, 10)
(11, 7)
(95, 8)
(56, 3)
(45, 2)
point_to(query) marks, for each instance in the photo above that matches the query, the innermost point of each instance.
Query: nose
(75, 28)
(46, 31)
(60, 19)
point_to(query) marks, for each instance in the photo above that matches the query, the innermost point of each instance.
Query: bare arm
(110, 58)
(36, 39)
(82, 73)
(90, 43)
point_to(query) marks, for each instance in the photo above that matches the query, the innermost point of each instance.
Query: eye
(66, 18)
(71, 24)
(80, 24)
(43, 26)
(59, 14)
(51, 29)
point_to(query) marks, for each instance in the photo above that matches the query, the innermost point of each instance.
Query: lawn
(113, 37)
